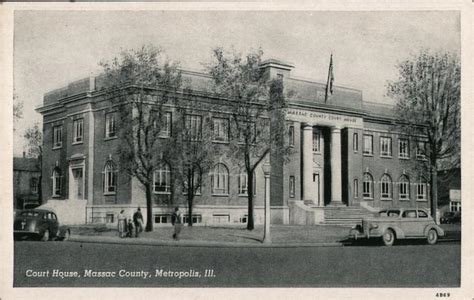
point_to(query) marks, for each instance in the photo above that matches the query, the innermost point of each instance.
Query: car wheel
(45, 236)
(388, 237)
(432, 237)
(66, 236)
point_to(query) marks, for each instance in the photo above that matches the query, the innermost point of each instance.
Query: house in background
(449, 190)
(26, 182)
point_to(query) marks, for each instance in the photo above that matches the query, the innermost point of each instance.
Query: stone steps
(345, 216)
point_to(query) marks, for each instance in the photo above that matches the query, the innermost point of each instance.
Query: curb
(203, 244)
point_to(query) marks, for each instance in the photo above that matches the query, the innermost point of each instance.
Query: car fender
(398, 231)
(62, 230)
(438, 229)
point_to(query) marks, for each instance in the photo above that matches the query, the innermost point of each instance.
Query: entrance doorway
(77, 188)
(317, 188)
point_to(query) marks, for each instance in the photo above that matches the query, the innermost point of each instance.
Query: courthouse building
(347, 160)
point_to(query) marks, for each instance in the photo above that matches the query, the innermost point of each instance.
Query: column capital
(336, 129)
(307, 126)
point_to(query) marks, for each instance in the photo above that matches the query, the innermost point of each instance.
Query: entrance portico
(312, 173)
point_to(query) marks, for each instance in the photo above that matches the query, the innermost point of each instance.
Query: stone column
(336, 176)
(308, 162)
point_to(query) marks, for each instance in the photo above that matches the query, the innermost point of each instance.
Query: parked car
(40, 223)
(451, 218)
(398, 223)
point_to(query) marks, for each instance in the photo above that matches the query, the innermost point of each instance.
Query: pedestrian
(130, 228)
(176, 221)
(138, 222)
(122, 223)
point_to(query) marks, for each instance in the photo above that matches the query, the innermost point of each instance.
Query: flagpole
(329, 78)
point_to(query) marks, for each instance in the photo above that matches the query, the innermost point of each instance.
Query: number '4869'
(442, 295)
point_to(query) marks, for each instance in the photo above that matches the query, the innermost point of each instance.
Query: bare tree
(140, 82)
(428, 110)
(34, 138)
(17, 110)
(191, 149)
(245, 85)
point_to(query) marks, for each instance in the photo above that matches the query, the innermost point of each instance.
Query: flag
(329, 84)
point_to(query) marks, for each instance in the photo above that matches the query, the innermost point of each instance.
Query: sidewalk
(212, 236)
(207, 236)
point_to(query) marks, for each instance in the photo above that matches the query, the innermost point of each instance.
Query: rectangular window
(165, 128)
(221, 129)
(291, 135)
(78, 129)
(34, 185)
(220, 218)
(193, 125)
(57, 136)
(403, 148)
(195, 218)
(109, 218)
(355, 142)
(385, 146)
(316, 141)
(249, 132)
(243, 219)
(421, 150)
(162, 218)
(421, 191)
(356, 188)
(368, 144)
(110, 129)
(292, 187)
(243, 184)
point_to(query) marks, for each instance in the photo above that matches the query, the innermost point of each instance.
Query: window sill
(110, 138)
(197, 194)
(366, 198)
(57, 147)
(386, 199)
(385, 156)
(109, 193)
(422, 158)
(245, 195)
(77, 143)
(405, 199)
(56, 196)
(317, 152)
(220, 142)
(368, 154)
(162, 193)
(422, 200)
(220, 195)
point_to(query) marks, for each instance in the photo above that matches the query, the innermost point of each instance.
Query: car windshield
(29, 214)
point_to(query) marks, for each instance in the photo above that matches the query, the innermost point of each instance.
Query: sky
(53, 48)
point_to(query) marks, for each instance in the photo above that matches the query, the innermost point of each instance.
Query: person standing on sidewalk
(176, 221)
(138, 221)
(122, 223)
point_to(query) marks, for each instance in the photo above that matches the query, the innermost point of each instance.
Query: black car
(42, 224)
(451, 218)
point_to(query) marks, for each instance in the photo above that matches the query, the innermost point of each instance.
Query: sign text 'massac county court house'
(346, 159)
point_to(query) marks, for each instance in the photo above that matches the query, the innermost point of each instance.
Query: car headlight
(374, 226)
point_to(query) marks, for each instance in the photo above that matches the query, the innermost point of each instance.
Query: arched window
(162, 178)
(243, 186)
(56, 178)
(368, 188)
(404, 188)
(386, 187)
(110, 178)
(421, 190)
(220, 180)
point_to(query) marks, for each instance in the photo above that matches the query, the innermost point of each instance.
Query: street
(74, 264)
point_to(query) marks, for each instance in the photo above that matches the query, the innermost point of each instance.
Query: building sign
(324, 119)
(455, 195)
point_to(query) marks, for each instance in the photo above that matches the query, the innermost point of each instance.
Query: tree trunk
(434, 191)
(250, 221)
(190, 209)
(149, 207)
